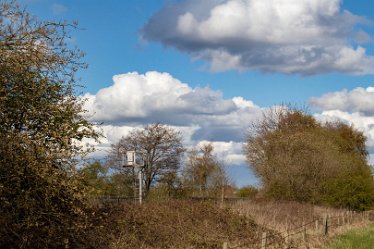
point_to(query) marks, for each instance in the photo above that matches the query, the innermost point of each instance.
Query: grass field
(362, 238)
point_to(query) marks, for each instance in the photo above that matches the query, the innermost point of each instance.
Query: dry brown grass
(289, 218)
(280, 216)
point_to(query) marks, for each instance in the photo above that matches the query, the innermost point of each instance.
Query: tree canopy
(298, 158)
(163, 149)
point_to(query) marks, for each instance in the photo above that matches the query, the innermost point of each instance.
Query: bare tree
(162, 146)
(203, 174)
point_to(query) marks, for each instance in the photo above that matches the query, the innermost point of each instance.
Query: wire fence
(134, 199)
(299, 236)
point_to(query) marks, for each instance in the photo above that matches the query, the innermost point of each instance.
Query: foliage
(352, 190)
(40, 123)
(247, 192)
(98, 182)
(203, 174)
(120, 185)
(163, 149)
(168, 188)
(299, 159)
(94, 178)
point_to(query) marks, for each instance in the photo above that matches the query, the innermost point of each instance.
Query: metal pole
(140, 176)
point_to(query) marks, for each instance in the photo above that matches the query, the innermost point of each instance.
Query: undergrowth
(175, 224)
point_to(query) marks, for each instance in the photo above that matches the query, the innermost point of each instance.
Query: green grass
(362, 238)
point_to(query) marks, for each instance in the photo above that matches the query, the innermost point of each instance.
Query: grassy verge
(362, 238)
(281, 216)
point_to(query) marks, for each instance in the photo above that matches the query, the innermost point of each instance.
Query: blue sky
(232, 59)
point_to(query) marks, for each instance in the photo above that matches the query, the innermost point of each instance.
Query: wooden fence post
(351, 217)
(348, 220)
(263, 241)
(304, 231)
(326, 225)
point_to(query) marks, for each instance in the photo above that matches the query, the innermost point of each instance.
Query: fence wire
(280, 238)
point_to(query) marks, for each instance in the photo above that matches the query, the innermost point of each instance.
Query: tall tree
(162, 148)
(41, 121)
(298, 158)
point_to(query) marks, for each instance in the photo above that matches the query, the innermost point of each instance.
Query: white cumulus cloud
(286, 36)
(154, 96)
(230, 153)
(356, 100)
(135, 99)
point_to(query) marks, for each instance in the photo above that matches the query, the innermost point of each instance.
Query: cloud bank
(278, 36)
(158, 97)
(358, 100)
(201, 114)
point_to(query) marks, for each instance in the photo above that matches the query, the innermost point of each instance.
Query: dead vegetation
(281, 216)
(300, 225)
(175, 224)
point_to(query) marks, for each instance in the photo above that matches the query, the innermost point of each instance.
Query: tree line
(170, 170)
(296, 158)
